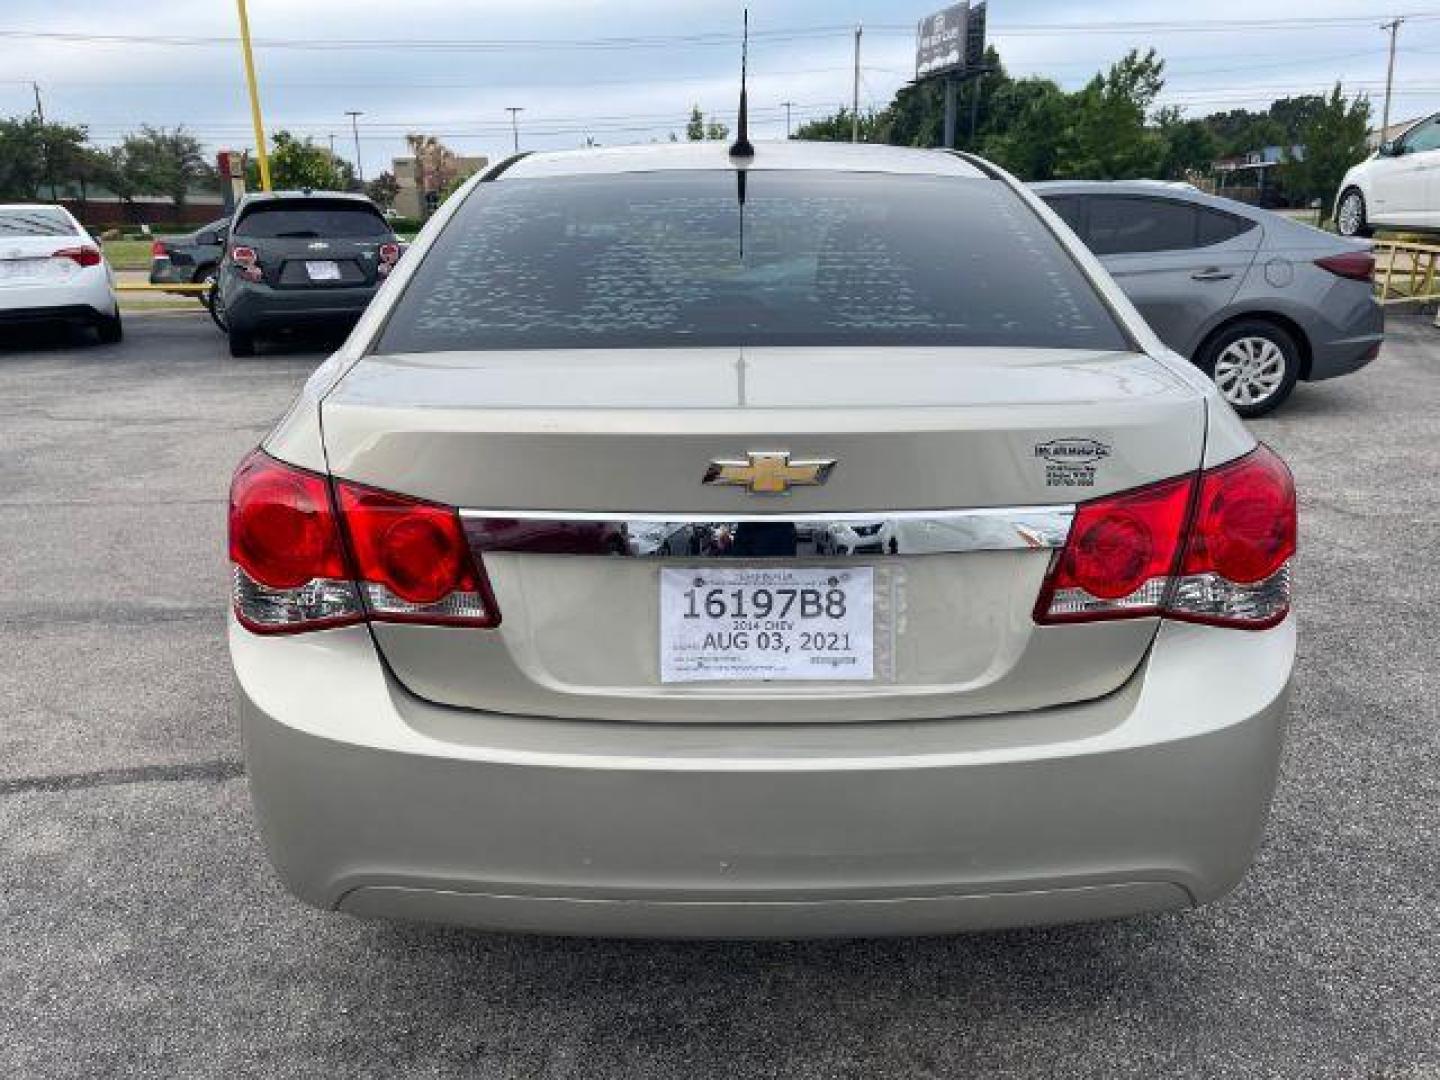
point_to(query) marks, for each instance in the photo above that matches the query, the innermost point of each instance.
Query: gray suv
(1255, 300)
(296, 259)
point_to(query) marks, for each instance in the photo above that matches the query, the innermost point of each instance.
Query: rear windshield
(808, 258)
(337, 219)
(35, 221)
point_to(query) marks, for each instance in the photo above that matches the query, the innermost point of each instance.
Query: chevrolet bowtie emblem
(769, 472)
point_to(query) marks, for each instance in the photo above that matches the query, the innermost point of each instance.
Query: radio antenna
(741, 147)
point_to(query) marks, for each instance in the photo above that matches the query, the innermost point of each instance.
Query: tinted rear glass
(312, 218)
(36, 221)
(1216, 227)
(1118, 224)
(814, 258)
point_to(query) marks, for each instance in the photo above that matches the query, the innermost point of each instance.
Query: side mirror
(1391, 148)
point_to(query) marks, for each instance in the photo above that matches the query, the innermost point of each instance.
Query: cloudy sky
(629, 71)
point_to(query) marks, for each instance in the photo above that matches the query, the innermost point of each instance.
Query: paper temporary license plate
(726, 624)
(324, 270)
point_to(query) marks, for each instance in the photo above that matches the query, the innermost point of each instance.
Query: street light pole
(355, 115)
(515, 111)
(787, 105)
(261, 155)
(1393, 26)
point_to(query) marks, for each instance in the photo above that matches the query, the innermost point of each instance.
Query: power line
(708, 38)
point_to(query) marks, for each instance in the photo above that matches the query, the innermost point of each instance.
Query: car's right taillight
(1213, 547)
(85, 255)
(1236, 569)
(306, 558)
(389, 254)
(158, 250)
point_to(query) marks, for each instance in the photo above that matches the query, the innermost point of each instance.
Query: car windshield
(35, 221)
(693, 258)
(333, 220)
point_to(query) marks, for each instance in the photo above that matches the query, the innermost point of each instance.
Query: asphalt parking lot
(141, 932)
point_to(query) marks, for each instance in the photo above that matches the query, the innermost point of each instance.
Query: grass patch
(128, 254)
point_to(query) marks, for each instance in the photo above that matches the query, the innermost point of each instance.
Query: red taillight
(407, 560)
(290, 571)
(389, 253)
(247, 262)
(412, 560)
(158, 250)
(83, 256)
(1357, 265)
(1120, 554)
(1212, 549)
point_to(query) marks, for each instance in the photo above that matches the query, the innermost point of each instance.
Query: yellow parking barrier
(196, 289)
(1407, 272)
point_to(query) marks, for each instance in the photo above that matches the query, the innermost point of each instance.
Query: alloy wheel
(1351, 218)
(1250, 370)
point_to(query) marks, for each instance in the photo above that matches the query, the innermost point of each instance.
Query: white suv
(1397, 187)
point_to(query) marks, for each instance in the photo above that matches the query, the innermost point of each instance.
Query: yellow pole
(260, 153)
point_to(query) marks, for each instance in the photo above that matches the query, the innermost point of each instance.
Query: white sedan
(52, 270)
(1397, 187)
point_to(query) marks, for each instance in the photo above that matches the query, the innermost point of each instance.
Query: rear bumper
(1353, 341)
(374, 802)
(86, 297)
(62, 313)
(252, 307)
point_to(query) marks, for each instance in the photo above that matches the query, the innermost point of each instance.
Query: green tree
(698, 129)
(167, 162)
(1107, 137)
(1029, 121)
(383, 189)
(1334, 138)
(837, 128)
(1187, 147)
(32, 154)
(297, 163)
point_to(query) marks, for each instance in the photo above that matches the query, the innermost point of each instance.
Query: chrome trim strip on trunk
(690, 536)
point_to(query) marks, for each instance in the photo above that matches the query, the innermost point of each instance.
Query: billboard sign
(941, 41)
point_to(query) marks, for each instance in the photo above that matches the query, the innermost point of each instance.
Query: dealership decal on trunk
(1071, 462)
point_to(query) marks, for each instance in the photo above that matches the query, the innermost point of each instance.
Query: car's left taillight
(306, 557)
(288, 562)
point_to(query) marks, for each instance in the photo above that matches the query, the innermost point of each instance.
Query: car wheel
(215, 304)
(242, 343)
(1350, 215)
(1254, 364)
(110, 330)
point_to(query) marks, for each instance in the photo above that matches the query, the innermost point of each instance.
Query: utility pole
(855, 91)
(355, 115)
(332, 144)
(261, 154)
(44, 142)
(787, 105)
(515, 111)
(1393, 26)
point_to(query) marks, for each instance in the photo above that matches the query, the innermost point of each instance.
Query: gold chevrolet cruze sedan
(812, 541)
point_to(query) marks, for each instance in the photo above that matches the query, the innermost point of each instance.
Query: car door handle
(1212, 273)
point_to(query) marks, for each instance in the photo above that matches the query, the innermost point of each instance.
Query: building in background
(429, 173)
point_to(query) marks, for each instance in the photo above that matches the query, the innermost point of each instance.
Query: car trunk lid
(598, 437)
